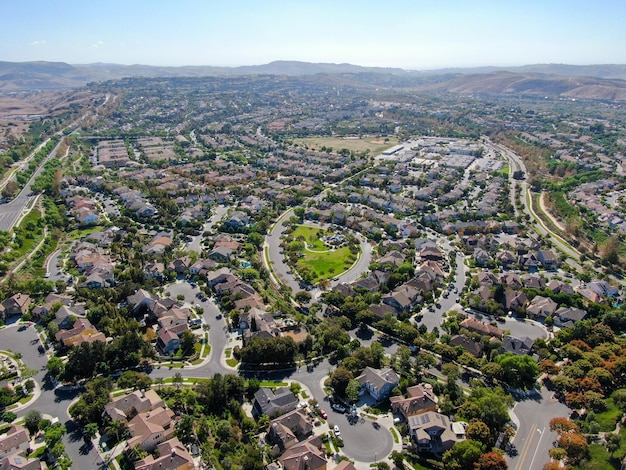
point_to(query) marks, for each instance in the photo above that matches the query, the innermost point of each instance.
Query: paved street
(11, 211)
(51, 402)
(534, 438)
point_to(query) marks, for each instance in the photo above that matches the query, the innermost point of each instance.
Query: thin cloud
(98, 44)
(40, 42)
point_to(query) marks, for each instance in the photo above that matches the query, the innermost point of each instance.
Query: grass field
(324, 263)
(327, 264)
(374, 144)
(311, 235)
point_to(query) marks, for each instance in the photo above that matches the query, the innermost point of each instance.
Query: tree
(478, 431)
(177, 380)
(518, 371)
(492, 461)
(575, 446)
(10, 189)
(187, 342)
(340, 380)
(55, 367)
(302, 297)
(115, 428)
(463, 455)
(398, 459)
(561, 425)
(352, 390)
(90, 430)
(32, 420)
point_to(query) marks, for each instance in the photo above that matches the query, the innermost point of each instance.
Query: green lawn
(608, 419)
(325, 263)
(311, 235)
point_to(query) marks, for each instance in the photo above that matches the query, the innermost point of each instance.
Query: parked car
(336, 431)
(338, 408)
(500, 319)
(323, 414)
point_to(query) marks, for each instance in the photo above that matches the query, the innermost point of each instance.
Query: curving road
(282, 271)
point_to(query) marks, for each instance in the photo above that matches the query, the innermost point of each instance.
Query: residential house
(288, 429)
(477, 326)
(140, 299)
(487, 278)
(506, 258)
(533, 281)
(419, 399)
(65, 316)
(511, 280)
(378, 382)
(393, 259)
(167, 341)
(150, 428)
(222, 275)
(202, 267)
(17, 304)
(514, 300)
(548, 259)
(475, 348)
(170, 454)
(560, 287)
(434, 432)
(541, 307)
(19, 461)
(380, 311)
(126, 406)
(154, 270)
(402, 298)
(517, 346)
(221, 254)
(237, 220)
(481, 257)
(307, 455)
(82, 332)
(567, 316)
(180, 265)
(273, 403)
(15, 440)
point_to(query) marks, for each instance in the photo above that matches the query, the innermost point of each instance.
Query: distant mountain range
(606, 82)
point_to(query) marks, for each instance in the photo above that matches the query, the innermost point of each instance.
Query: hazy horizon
(412, 35)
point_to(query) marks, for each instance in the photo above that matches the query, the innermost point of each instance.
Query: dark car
(500, 319)
(338, 408)
(41, 349)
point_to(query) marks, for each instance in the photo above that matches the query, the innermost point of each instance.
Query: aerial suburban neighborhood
(275, 272)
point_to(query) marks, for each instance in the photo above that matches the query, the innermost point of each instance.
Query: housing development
(311, 272)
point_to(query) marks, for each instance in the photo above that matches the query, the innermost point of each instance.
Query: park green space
(374, 144)
(325, 263)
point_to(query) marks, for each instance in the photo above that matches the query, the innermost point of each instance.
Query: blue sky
(411, 34)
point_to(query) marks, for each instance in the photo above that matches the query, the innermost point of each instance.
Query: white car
(336, 431)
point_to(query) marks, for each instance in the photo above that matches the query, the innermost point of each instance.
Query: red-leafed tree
(492, 461)
(575, 445)
(561, 425)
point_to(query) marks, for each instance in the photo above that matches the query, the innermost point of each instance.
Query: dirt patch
(298, 335)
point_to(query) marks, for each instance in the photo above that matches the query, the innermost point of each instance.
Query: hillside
(604, 82)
